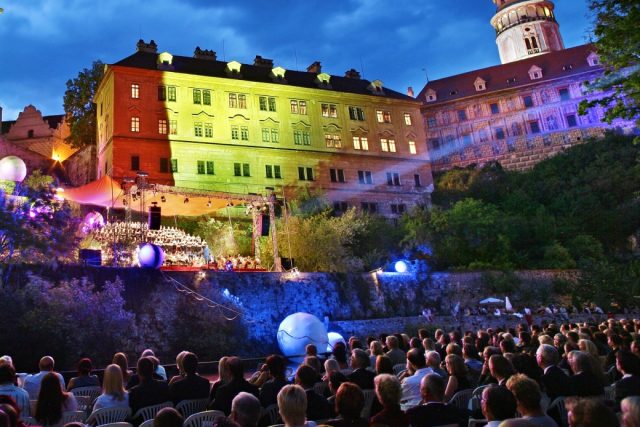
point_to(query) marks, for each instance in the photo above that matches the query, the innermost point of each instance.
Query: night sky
(43, 43)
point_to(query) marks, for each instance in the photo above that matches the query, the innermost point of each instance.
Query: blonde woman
(224, 376)
(292, 404)
(588, 347)
(631, 411)
(181, 374)
(121, 360)
(113, 393)
(375, 350)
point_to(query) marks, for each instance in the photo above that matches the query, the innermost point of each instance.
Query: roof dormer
(233, 68)
(323, 80)
(431, 96)
(277, 73)
(376, 87)
(535, 72)
(165, 61)
(480, 84)
(593, 59)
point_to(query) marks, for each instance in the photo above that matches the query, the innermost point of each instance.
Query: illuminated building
(522, 111)
(203, 124)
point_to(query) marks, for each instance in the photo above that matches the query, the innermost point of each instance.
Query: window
(407, 119)
(135, 90)
(329, 110)
(466, 139)
(208, 130)
(383, 116)
(270, 135)
(135, 124)
(298, 107)
(173, 127)
(164, 165)
(398, 208)
(197, 129)
(392, 145)
(171, 93)
(162, 126)
(275, 135)
(241, 169)
(431, 122)
(162, 93)
(197, 96)
(412, 147)
(564, 94)
(242, 101)
(495, 109)
(305, 174)
(571, 120)
(416, 180)
(135, 163)
(332, 140)
(462, 115)
(233, 100)
(365, 177)
(535, 127)
(273, 171)
(336, 175)
(369, 207)
(235, 133)
(340, 206)
(267, 103)
(200, 167)
(528, 101)
(266, 135)
(499, 133)
(393, 178)
(210, 168)
(244, 133)
(388, 145)
(384, 145)
(174, 165)
(356, 113)
(301, 137)
(206, 97)
(361, 143)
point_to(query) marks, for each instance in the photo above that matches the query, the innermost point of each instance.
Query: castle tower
(525, 28)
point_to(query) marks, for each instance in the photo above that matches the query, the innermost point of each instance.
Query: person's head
(469, 351)
(340, 352)
(84, 366)
(433, 359)
(453, 348)
(276, 366)
(588, 347)
(7, 373)
(507, 345)
(349, 401)
(388, 389)
(630, 411)
(392, 342)
(245, 409)
(415, 358)
(432, 387)
(179, 358)
(428, 344)
(497, 403)
(579, 361)
(375, 348)
(335, 381)
(306, 376)
(292, 404)
(121, 360)
(113, 383)
(455, 365)
(627, 362)
(331, 365)
(547, 355)
(168, 417)
(6, 359)
(50, 400)
(314, 362)
(46, 364)
(527, 393)
(236, 368)
(422, 334)
(148, 353)
(384, 365)
(359, 359)
(223, 369)
(190, 363)
(145, 368)
(590, 413)
(500, 367)
(311, 350)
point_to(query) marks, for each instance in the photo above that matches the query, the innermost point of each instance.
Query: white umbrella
(507, 304)
(491, 301)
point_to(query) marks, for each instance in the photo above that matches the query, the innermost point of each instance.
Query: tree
(79, 107)
(618, 44)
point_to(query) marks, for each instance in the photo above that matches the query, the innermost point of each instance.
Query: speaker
(155, 218)
(265, 225)
(92, 257)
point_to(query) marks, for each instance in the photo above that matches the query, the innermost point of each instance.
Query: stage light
(163, 199)
(401, 267)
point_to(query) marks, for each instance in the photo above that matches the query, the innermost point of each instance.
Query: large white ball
(150, 256)
(297, 331)
(13, 168)
(334, 338)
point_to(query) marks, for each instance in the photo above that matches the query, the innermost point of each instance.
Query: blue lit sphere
(297, 331)
(334, 338)
(150, 256)
(401, 267)
(13, 168)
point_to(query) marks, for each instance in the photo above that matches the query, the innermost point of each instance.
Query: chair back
(558, 405)
(192, 406)
(197, 420)
(149, 412)
(369, 395)
(74, 417)
(84, 403)
(461, 399)
(148, 423)
(476, 397)
(271, 413)
(29, 421)
(92, 392)
(108, 416)
(399, 368)
(122, 424)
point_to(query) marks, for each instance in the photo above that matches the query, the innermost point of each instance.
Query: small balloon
(150, 256)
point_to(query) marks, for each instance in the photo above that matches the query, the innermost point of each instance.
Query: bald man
(32, 382)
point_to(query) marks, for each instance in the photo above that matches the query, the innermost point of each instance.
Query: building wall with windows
(199, 123)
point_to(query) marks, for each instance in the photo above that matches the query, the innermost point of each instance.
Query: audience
(113, 393)
(554, 379)
(417, 364)
(584, 381)
(590, 413)
(32, 382)
(384, 365)
(121, 360)
(397, 356)
(192, 386)
(53, 401)
(388, 392)
(274, 370)
(458, 379)
(628, 365)
(630, 411)
(84, 378)
(432, 410)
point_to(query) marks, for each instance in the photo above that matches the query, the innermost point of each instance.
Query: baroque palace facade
(522, 111)
(208, 125)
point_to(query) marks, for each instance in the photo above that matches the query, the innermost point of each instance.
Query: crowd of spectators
(551, 375)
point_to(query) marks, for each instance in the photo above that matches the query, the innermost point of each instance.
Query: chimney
(315, 68)
(206, 54)
(352, 74)
(259, 61)
(410, 92)
(150, 47)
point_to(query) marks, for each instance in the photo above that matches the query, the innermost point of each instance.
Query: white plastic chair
(92, 392)
(122, 424)
(272, 414)
(476, 397)
(148, 423)
(108, 416)
(191, 406)
(369, 395)
(73, 417)
(149, 412)
(461, 399)
(197, 420)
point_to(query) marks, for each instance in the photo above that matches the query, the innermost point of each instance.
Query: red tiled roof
(554, 65)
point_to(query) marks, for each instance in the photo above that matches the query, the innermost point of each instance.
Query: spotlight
(163, 199)
(186, 200)
(209, 203)
(401, 267)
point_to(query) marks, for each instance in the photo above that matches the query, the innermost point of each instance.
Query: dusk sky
(43, 43)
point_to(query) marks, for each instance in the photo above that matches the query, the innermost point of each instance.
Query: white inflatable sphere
(150, 256)
(334, 338)
(297, 331)
(13, 168)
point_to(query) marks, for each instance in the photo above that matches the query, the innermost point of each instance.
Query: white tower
(525, 28)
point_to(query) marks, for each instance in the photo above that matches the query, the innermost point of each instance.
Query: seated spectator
(553, 378)
(113, 393)
(458, 379)
(498, 404)
(246, 410)
(180, 375)
(527, 394)
(629, 367)
(53, 401)
(225, 393)
(524, 363)
(158, 368)
(292, 405)
(275, 371)
(192, 386)
(388, 392)
(590, 413)
(168, 417)
(317, 406)
(32, 382)
(434, 361)
(361, 376)
(433, 411)
(121, 360)
(500, 368)
(311, 350)
(84, 378)
(470, 355)
(375, 350)
(397, 356)
(330, 365)
(11, 408)
(8, 388)
(630, 411)
(224, 377)
(411, 385)
(584, 381)
(336, 379)
(349, 405)
(340, 354)
(149, 391)
(384, 365)
(314, 362)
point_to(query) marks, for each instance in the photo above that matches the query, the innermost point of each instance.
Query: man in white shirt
(417, 364)
(32, 382)
(8, 388)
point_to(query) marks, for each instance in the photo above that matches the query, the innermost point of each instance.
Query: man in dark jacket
(433, 411)
(553, 378)
(361, 376)
(192, 386)
(149, 391)
(317, 406)
(225, 394)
